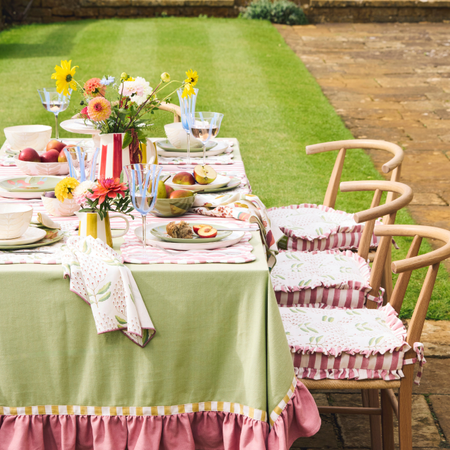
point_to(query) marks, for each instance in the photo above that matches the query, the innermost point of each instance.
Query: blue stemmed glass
(205, 126)
(143, 184)
(187, 106)
(54, 102)
(82, 164)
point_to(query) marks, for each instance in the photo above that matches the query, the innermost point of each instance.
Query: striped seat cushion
(346, 344)
(316, 227)
(329, 278)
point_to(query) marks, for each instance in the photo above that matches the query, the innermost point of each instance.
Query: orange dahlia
(99, 109)
(107, 187)
(94, 88)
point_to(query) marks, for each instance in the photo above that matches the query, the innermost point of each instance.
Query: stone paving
(392, 82)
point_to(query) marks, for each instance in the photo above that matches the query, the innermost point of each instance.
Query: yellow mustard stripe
(126, 411)
(263, 416)
(108, 231)
(219, 406)
(41, 409)
(207, 406)
(139, 411)
(154, 411)
(195, 407)
(13, 411)
(83, 410)
(70, 409)
(98, 410)
(181, 409)
(167, 410)
(28, 410)
(55, 409)
(251, 413)
(279, 408)
(91, 225)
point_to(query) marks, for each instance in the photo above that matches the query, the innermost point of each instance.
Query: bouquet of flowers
(123, 106)
(101, 196)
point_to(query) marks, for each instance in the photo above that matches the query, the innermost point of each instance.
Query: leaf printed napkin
(98, 276)
(246, 207)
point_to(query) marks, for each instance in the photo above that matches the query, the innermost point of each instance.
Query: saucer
(32, 234)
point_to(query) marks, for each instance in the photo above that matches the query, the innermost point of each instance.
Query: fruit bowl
(173, 207)
(38, 168)
(177, 136)
(23, 136)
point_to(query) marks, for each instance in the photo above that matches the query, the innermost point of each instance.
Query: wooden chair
(339, 278)
(174, 109)
(387, 382)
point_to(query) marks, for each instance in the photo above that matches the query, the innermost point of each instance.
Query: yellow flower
(165, 77)
(123, 76)
(64, 77)
(188, 90)
(65, 188)
(192, 77)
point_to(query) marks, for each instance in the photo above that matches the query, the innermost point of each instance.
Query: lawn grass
(270, 101)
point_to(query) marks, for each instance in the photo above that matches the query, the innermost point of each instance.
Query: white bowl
(178, 137)
(14, 220)
(37, 168)
(56, 208)
(24, 136)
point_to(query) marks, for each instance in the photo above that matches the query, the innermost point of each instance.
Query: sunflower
(192, 77)
(65, 188)
(188, 90)
(64, 77)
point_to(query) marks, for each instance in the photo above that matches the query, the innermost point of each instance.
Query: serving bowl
(14, 220)
(38, 168)
(178, 137)
(173, 207)
(24, 136)
(56, 208)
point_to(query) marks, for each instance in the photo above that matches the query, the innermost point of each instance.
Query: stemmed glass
(143, 184)
(187, 106)
(206, 125)
(82, 162)
(54, 102)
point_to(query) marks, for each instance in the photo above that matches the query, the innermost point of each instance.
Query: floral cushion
(316, 227)
(346, 344)
(329, 278)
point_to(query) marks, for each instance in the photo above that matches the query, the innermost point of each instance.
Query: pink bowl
(38, 168)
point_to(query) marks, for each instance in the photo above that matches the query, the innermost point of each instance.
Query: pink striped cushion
(328, 278)
(316, 227)
(346, 344)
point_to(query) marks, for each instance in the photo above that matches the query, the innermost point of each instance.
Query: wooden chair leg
(404, 408)
(386, 279)
(387, 422)
(375, 421)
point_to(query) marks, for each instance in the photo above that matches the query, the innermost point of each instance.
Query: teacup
(14, 220)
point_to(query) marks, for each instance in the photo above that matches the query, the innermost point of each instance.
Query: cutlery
(29, 251)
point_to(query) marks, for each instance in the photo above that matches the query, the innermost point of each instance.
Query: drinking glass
(143, 184)
(187, 106)
(54, 102)
(205, 126)
(82, 162)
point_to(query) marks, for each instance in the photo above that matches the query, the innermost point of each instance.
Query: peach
(55, 145)
(207, 232)
(198, 226)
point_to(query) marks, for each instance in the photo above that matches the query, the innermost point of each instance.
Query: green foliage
(281, 11)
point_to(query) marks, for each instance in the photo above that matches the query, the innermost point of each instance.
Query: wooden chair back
(412, 262)
(174, 109)
(393, 165)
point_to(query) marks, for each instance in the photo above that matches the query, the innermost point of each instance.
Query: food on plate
(207, 232)
(50, 157)
(55, 145)
(181, 193)
(179, 230)
(29, 154)
(183, 178)
(198, 226)
(204, 174)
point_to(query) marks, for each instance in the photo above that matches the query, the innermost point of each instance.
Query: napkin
(246, 207)
(98, 276)
(45, 221)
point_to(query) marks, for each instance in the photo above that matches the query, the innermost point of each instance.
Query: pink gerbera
(99, 109)
(94, 88)
(84, 113)
(107, 187)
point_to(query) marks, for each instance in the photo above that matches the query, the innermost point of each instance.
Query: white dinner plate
(217, 150)
(232, 239)
(32, 234)
(219, 182)
(79, 126)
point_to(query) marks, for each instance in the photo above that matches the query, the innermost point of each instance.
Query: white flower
(81, 191)
(137, 90)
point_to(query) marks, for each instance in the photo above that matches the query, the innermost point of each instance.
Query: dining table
(217, 374)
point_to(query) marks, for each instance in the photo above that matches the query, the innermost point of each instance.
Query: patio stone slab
(441, 407)
(436, 339)
(435, 379)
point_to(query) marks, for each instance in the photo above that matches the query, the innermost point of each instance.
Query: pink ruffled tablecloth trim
(190, 431)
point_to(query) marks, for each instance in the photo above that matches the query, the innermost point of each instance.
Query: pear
(162, 192)
(204, 174)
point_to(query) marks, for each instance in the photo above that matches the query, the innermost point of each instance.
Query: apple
(207, 232)
(197, 227)
(55, 145)
(183, 178)
(62, 157)
(50, 157)
(181, 193)
(204, 174)
(169, 190)
(29, 154)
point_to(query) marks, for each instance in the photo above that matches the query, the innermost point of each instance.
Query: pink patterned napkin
(132, 252)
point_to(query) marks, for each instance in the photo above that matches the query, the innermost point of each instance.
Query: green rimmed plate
(16, 186)
(40, 243)
(168, 147)
(232, 184)
(160, 233)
